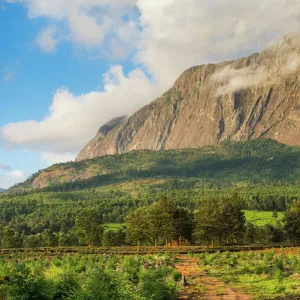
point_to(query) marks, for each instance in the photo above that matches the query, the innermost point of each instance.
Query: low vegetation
(265, 274)
(87, 277)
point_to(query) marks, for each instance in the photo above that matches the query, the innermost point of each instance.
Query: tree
(292, 222)
(114, 237)
(250, 233)
(183, 224)
(231, 221)
(207, 226)
(162, 220)
(222, 221)
(49, 238)
(10, 239)
(89, 227)
(138, 226)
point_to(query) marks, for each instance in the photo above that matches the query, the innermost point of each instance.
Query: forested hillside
(263, 173)
(228, 164)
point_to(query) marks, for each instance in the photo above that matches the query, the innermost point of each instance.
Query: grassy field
(261, 218)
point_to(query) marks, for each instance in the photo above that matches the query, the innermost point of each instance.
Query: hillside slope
(260, 161)
(253, 97)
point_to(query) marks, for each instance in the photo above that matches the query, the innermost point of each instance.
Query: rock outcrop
(253, 97)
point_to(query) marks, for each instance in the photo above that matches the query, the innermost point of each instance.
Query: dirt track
(201, 286)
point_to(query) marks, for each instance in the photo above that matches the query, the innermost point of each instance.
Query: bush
(177, 276)
(154, 286)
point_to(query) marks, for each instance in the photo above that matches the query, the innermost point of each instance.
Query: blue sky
(67, 67)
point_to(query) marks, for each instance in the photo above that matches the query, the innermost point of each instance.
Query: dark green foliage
(89, 227)
(138, 226)
(258, 161)
(162, 223)
(25, 285)
(103, 285)
(264, 173)
(292, 222)
(114, 237)
(220, 221)
(153, 285)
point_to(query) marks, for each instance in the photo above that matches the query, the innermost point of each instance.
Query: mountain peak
(248, 98)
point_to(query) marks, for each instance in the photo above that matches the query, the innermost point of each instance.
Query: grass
(261, 218)
(113, 226)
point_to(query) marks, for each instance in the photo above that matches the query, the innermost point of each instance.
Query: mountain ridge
(248, 98)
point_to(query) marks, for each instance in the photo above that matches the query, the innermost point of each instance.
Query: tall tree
(207, 225)
(292, 222)
(162, 220)
(89, 227)
(138, 226)
(232, 221)
(183, 224)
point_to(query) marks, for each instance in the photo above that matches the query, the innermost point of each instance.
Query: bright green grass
(113, 226)
(261, 218)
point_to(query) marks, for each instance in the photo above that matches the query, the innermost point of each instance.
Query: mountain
(2, 190)
(261, 161)
(249, 98)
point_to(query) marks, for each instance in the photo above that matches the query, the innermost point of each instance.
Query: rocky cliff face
(253, 97)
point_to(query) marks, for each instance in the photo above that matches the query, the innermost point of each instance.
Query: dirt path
(201, 286)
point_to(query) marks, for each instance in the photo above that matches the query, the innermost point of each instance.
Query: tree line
(213, 222)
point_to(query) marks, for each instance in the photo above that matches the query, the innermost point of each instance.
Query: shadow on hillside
(213, 169)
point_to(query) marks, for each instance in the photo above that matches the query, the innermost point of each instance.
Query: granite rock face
(253, 97)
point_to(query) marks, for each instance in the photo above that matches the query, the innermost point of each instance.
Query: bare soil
(201, 286)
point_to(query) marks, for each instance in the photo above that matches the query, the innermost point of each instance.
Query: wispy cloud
(280, 61)
(9, 71)
(4, 167)
(8, 179)
(47, 39)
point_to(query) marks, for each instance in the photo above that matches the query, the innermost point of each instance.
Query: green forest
(261, 176)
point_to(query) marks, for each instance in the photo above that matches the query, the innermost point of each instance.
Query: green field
(261, 218)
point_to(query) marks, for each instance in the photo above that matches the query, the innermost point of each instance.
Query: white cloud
(87, 23)
(16, 174)
(8, 179)
(53, 158)
(180, 34)
(47, 39)
(73, 120)
(280, 61)
(236, 79)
